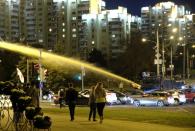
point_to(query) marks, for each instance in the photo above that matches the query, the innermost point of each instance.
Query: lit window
(74, 18)
(63, 24)
(73, 30)
(113, 36)
(93, 42)
(63, 30)
(40, 40)
(63, 35)
(50, 29)
(62, 7)
(74, 35)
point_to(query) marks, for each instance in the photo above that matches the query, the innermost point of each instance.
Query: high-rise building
(108, 31)
(160, 16)
(70, 27)
(39, 22)
(9, 20)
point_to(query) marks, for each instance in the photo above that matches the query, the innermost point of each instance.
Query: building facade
(9, 20)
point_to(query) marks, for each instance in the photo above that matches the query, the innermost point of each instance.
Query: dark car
(82, 100)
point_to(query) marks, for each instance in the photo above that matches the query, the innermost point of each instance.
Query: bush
(41, 122)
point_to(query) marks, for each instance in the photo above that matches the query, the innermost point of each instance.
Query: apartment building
(70, 26)
(108, 31)
(39, 24)
(9, 20)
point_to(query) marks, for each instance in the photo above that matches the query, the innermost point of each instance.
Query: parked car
(156, 98)
(190, 95)
(179, 96)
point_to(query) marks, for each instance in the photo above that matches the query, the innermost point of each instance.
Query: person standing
(92, 104)
(71, 98)
(61, 97)
(100, 98)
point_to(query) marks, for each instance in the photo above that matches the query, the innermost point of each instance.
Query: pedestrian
(61, 94)
(100, 98)
(71, 98)
(92, 104)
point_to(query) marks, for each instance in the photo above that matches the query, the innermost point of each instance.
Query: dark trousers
(61, 102)
(92, 110)
(71, 106)
(100, 108)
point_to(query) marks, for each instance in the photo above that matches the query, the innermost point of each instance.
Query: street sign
(157, 62)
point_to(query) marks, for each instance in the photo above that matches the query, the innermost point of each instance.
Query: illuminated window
(74, 35)
(74, 18)
(63, 24)
(62, 7)
(50, 29)
(73, 30)
(63, 30)
(93, 42)
(63, 35)
(113, 36)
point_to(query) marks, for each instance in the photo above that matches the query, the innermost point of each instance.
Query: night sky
(134, 6)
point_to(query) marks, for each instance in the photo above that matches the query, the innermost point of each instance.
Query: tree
(96, 57)
(8, 64)
(138, 57)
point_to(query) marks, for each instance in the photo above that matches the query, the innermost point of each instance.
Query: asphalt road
(185, 107)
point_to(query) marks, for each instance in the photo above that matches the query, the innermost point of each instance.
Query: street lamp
(157, 60)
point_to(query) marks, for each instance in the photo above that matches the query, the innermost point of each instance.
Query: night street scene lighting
(97, 65)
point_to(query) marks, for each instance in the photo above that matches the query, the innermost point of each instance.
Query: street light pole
(40, 74)
(171, 67)
(163, 60)
(188, 64)
(157, 53)
(184, 60)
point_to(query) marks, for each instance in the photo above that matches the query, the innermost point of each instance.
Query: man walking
(71, 98)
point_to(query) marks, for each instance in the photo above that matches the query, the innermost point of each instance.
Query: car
(190, 94)
(156, 98)
(123, 98)
(179, 96)
(111, 98)
(82, 100)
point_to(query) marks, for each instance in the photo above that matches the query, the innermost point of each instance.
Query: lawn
(125, 118)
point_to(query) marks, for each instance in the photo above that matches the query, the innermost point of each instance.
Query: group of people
(97, 100)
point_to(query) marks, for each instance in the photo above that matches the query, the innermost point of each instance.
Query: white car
(179, 96)
(111, 97)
